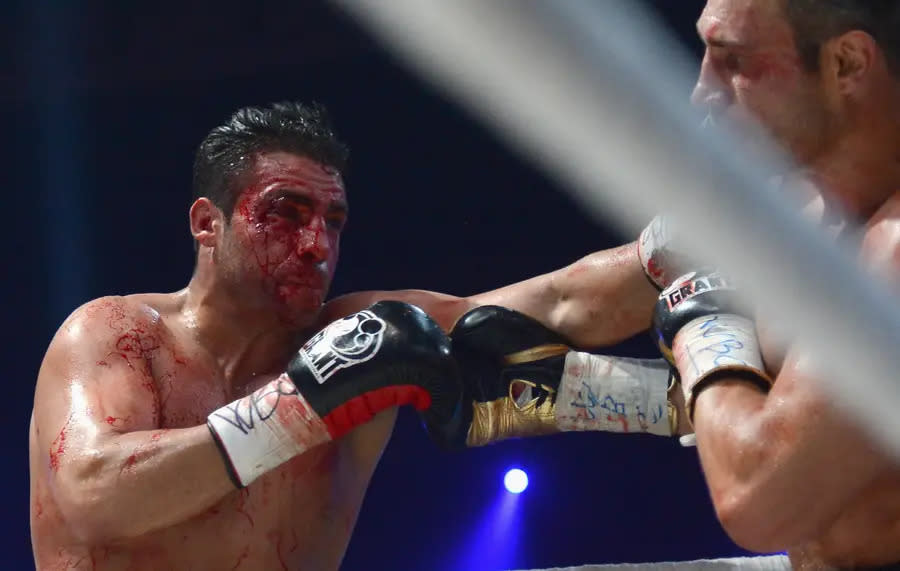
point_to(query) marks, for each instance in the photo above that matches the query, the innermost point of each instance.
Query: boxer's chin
(299, 305)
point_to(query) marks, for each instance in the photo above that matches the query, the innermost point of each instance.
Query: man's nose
(709, 93)
(315, 243)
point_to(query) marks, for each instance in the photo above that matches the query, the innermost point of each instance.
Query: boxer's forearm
(740, 454)
(597, 301)
(763, 458)
(135, 483)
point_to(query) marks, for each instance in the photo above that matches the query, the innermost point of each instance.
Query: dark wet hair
(816, 21)
(229, 150)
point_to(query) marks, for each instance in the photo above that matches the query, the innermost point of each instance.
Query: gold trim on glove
(503, 418)
(536, 353)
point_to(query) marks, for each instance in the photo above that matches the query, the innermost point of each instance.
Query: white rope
(596, 93)
(765, 563)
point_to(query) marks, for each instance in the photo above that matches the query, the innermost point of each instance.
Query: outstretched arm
(598, 300)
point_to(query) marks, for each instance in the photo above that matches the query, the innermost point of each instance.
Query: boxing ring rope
(597, 94)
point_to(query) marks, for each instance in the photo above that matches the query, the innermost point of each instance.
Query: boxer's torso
(867, 531)
(298, 516)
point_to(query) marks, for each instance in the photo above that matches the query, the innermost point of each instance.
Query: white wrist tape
(713, 343)
(613, 394)
(265, 429)
(653, 251)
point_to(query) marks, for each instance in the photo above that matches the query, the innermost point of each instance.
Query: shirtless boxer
(786, 470)
(167, 430)
(597, 301)
(186, 430)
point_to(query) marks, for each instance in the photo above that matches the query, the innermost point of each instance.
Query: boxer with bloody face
(142, 446)
(131, 462)
(169, 431)
(284, 234)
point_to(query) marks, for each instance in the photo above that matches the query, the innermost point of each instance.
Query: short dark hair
(230, 149)
(816, 21)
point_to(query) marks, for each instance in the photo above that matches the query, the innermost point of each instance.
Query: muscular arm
(597, 301)
(780, 467)
(112, 471)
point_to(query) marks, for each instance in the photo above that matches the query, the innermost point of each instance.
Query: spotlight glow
(515, 481)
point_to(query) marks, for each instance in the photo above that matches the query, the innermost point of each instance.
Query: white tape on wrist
(713, 343)
(613, 394)
(266, 428)
(658, 253)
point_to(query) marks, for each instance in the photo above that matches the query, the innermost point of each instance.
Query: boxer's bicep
(94, 383)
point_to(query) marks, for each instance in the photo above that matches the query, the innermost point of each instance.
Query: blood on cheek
(281, 237)
(271, 237)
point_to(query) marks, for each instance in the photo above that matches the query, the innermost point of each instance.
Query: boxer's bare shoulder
(867, 531)
(881, 240)
(127, 366)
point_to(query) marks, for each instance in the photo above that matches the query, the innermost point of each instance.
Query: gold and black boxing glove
(511, 367)
(522, 379)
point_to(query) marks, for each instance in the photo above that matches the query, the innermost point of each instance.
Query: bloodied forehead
(280, 171)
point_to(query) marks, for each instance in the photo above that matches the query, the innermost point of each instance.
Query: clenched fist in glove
(522, 379)
(702, 330)
(387, 355)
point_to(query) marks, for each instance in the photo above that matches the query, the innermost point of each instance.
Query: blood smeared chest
(301, 509)
(297, 516)
(188, 391)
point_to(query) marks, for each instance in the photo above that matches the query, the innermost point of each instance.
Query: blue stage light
(515, 481)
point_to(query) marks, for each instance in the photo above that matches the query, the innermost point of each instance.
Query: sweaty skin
(290, 221)
(787, 470)
(144, 404)
(847, 514)
(124, 472)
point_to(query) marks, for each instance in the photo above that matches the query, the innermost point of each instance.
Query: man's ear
(849, 59)
(207, 222)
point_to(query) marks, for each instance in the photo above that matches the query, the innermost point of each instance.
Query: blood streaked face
(752, 70)
(287, 222)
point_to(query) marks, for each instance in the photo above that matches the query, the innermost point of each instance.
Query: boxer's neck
(861, 165)
(860, 174)
(244, 341)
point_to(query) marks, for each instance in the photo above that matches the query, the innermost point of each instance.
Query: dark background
(103, 104)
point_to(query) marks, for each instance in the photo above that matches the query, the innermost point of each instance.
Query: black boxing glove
(702, 330)
(522, 379)
(389, 354)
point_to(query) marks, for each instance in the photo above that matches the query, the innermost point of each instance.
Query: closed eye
(290, 210)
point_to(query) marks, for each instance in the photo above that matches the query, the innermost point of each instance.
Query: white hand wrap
(265, 429)
(614, 394)
(715, 343)
(660, 262)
